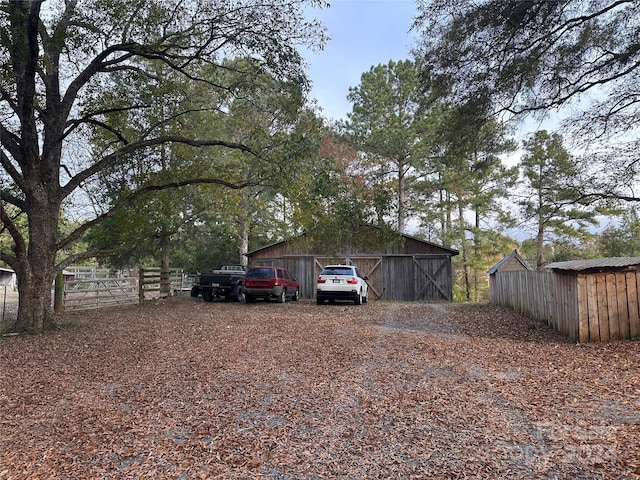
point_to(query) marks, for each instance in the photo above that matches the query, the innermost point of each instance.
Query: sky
(363, 33)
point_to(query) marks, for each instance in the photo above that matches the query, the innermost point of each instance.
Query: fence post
(165, 283)
(4, 302)
(58, 298)
(141, 287)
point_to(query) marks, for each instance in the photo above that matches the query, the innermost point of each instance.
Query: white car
(341, 282)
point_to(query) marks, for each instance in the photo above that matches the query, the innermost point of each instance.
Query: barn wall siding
(422, 277)
(399, 279)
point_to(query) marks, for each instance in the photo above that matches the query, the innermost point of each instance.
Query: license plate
(335, 280)
(215, 284)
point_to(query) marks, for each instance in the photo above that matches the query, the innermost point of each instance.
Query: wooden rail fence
(585, 307)
(80, 288)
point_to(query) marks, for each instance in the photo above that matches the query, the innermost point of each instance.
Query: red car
(270, 283)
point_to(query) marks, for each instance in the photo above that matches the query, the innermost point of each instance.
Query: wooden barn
(406, 269)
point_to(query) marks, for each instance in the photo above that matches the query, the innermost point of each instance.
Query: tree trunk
(244, 220)
(35, 313)
(36, 271)
(476, 255)
(402, 198)
(540, 260)
(465, 253)
(244, 242)
(165, 265)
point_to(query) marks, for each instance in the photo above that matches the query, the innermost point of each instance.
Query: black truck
(226, 282)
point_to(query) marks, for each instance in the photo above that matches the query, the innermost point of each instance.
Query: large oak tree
(58, 56)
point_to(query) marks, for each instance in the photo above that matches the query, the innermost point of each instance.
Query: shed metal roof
(595, 263)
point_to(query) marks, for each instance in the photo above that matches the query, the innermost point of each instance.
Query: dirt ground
(185, 389)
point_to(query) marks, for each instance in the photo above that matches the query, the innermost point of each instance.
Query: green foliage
(511, 58)
(517, 57)
(467, 173)
(257, 110)
(466, 190)
(205, 247)
(136, 78)
(528, 55)
(551, 203)
(331, 198)
(565, 249)
(390, 128)
(528, 250)
(623, 239)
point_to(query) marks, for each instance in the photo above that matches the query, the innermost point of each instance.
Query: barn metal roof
(453, 251)
(595, 263)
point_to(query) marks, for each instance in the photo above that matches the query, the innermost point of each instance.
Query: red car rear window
(261, 273)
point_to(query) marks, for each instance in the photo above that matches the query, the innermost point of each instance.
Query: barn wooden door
(433, 280)
(370, 267)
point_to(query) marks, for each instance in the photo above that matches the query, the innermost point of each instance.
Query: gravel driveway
(186, 390)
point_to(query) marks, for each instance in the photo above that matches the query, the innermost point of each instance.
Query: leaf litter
(190, 390)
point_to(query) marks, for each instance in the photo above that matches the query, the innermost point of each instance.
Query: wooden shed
(600, 297)
(587, 300)
(8, 278)
(409, 269)
(512, 262)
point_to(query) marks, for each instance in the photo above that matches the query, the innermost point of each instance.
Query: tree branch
(112, 158)
(13, 200)
(20, 246)
(129, 199)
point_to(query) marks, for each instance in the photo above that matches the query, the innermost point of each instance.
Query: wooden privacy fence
(81, 288)
(584, 306)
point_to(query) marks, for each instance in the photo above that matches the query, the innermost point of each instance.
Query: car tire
(283, 296)
(319, 301)
(296, 295)
(239, 294)
(249, 298)
(365, 299)
(358, 299)
(207, 295)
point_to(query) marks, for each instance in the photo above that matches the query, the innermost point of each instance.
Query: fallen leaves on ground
(190, 390)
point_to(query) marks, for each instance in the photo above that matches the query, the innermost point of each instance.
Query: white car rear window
(337, 271)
